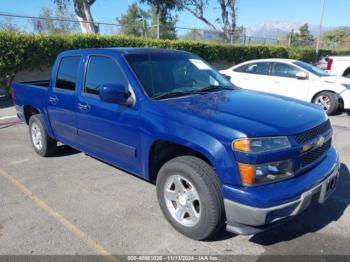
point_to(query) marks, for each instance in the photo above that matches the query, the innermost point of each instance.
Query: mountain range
(279, 29)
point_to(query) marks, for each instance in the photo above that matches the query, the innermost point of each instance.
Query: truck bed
(33, 93)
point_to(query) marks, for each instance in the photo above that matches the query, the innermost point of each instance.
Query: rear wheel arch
(28, 111)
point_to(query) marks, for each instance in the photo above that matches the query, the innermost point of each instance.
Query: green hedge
(27, 51)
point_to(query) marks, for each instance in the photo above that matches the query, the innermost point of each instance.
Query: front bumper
(247, 220)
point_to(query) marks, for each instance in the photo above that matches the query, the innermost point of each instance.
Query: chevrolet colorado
(219, 155)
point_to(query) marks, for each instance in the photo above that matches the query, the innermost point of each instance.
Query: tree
(83, 14)
(197, 8)
(303, 37)
(53, 26)
(227, 15)
(339, 35)
(167, 24)
(134, 22)
(239, 34)
(163, 4)
(161, 10)
(137, 22)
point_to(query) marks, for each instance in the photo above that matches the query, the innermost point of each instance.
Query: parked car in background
(295, 79)
(335, 65)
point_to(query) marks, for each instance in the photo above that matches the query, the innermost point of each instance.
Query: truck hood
(247, 112)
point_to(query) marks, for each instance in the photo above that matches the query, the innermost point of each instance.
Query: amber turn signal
(241, 145)
(247, 173)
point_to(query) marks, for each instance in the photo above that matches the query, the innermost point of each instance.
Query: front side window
(67, 73)
(285, 70)
(260, 68)
(312, 69)
(102, 70)
(175, 73)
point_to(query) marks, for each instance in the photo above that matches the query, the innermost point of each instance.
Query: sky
(249, 12)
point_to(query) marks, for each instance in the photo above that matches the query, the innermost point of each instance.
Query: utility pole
(291, 38)
(320, 28)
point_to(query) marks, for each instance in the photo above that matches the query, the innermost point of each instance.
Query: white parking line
(16, 162)
(59, 218)
(7, 117)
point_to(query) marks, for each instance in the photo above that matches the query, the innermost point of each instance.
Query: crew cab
(219, 155)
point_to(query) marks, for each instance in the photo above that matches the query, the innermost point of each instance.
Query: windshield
(312, 69)
(162, 74)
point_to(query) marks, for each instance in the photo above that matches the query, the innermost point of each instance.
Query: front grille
(312, 133)
(313, 155)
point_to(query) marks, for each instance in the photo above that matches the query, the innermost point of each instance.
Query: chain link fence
(53, 25)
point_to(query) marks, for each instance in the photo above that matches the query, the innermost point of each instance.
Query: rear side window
(67, 73)
(260, 68)
(102, 70)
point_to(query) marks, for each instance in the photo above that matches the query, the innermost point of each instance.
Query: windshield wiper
(213, 88)
(192, 92)
(173, 94)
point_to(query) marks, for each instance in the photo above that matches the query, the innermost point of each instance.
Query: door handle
(83, 106)
(53, 99)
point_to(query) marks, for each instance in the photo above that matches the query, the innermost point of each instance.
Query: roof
(125, 50)
(283, 60)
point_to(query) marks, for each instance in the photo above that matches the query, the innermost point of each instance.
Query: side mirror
(227, 77)
(116, 94)
(302, 75)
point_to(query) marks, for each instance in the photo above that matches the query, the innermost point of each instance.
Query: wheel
(328, 101)
(190, 197)
(42, 143)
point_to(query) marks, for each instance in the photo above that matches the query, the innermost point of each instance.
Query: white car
(294, 79)
(335, 65)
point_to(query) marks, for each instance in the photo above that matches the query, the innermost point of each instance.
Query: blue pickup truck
(219, 155)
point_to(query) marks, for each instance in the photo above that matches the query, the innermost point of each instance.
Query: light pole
(320, 28)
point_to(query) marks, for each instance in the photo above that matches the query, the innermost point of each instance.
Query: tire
(328, 101)
(202, 190)
(41, 142)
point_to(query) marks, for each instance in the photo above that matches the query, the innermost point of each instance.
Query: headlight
(260, 144)
(265, 173)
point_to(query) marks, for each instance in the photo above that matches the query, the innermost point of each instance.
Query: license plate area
(328, 186)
